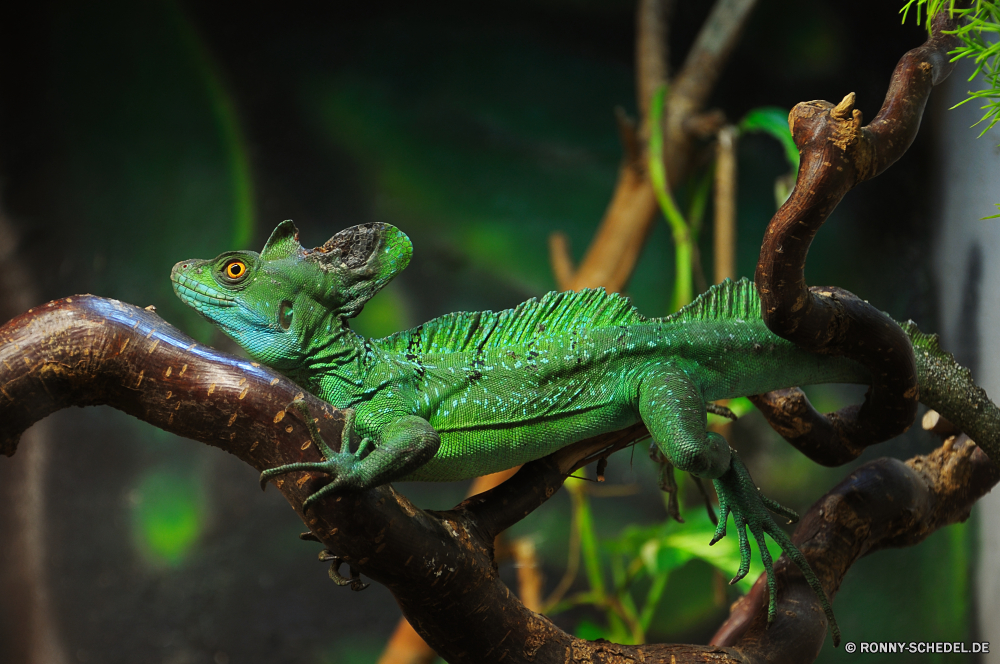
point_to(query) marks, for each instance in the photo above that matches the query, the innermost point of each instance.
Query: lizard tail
(947, 387)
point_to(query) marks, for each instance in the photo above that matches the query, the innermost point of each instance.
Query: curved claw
(335, 574)
(266, 476)
(332, 486)
(778, 508)
(720, 527)
(741, 531)
(739, 496)
(354, 581)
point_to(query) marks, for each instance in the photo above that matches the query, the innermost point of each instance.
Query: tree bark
(87, 350)
(838, 153)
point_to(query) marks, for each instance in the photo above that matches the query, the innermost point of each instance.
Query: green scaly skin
(469, 394)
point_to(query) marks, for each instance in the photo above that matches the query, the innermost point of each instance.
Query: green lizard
(469, 394)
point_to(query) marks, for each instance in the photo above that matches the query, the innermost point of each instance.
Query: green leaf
(589, 631)
(670, 546)
(168, 516)
(773, 121)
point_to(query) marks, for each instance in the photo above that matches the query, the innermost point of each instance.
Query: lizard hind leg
(673, 409)
(740, 496)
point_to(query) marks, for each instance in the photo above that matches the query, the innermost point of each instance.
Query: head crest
(357, 262)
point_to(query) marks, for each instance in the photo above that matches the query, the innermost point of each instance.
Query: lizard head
(276, 303)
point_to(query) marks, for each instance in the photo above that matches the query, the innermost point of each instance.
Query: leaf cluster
(979, 27)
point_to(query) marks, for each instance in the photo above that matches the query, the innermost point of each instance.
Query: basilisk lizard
(469, 394)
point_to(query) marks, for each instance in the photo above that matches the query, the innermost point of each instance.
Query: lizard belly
(480, 450)
(496, 414)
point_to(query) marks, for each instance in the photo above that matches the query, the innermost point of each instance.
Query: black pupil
(235, 269)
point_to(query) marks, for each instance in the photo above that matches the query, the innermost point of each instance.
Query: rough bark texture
(837, 153)
(439, 565)
(86, 350)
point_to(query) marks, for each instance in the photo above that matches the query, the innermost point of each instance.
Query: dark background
(135, 135)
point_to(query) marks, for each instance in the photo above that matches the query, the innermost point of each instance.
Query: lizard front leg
(406, 444)
(673, 409)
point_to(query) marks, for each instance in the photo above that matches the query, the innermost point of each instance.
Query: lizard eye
(235, 269)
(285, 315)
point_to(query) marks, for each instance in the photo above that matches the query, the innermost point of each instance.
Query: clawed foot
(739, 496)
(721, 411)
(667, 482)
(355, 582)
(338, 465)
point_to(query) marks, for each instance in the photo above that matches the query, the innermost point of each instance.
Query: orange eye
(236, 269)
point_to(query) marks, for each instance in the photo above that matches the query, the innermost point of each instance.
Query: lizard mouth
(198, 295)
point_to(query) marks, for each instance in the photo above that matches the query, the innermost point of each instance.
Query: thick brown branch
(837, 154)
(86, 350)
(883, 504)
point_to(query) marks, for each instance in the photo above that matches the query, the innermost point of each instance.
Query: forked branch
(838, 153)
(87, 350)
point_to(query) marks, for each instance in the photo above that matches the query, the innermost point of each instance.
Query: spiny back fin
(929, 342)
(725, 301)
(537, 318)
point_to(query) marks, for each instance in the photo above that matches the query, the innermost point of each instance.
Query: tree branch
(696, 79)
(837, 154)
(615, 247)
(87, 350)
(884, 504)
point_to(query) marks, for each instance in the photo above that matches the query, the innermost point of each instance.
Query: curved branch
(884, 504)
(837, 154)
(87, 350)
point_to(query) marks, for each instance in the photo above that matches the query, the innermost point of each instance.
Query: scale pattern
(529, 321)
(556, 313)
(474, 392)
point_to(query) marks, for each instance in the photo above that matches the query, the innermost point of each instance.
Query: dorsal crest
(534, 319)
(728, 300)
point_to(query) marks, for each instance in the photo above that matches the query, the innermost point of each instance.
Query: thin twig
(652, 54)
(614, 250)
(725, 206)
(696, 79)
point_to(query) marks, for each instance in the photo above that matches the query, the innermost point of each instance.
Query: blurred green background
(135, 135)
